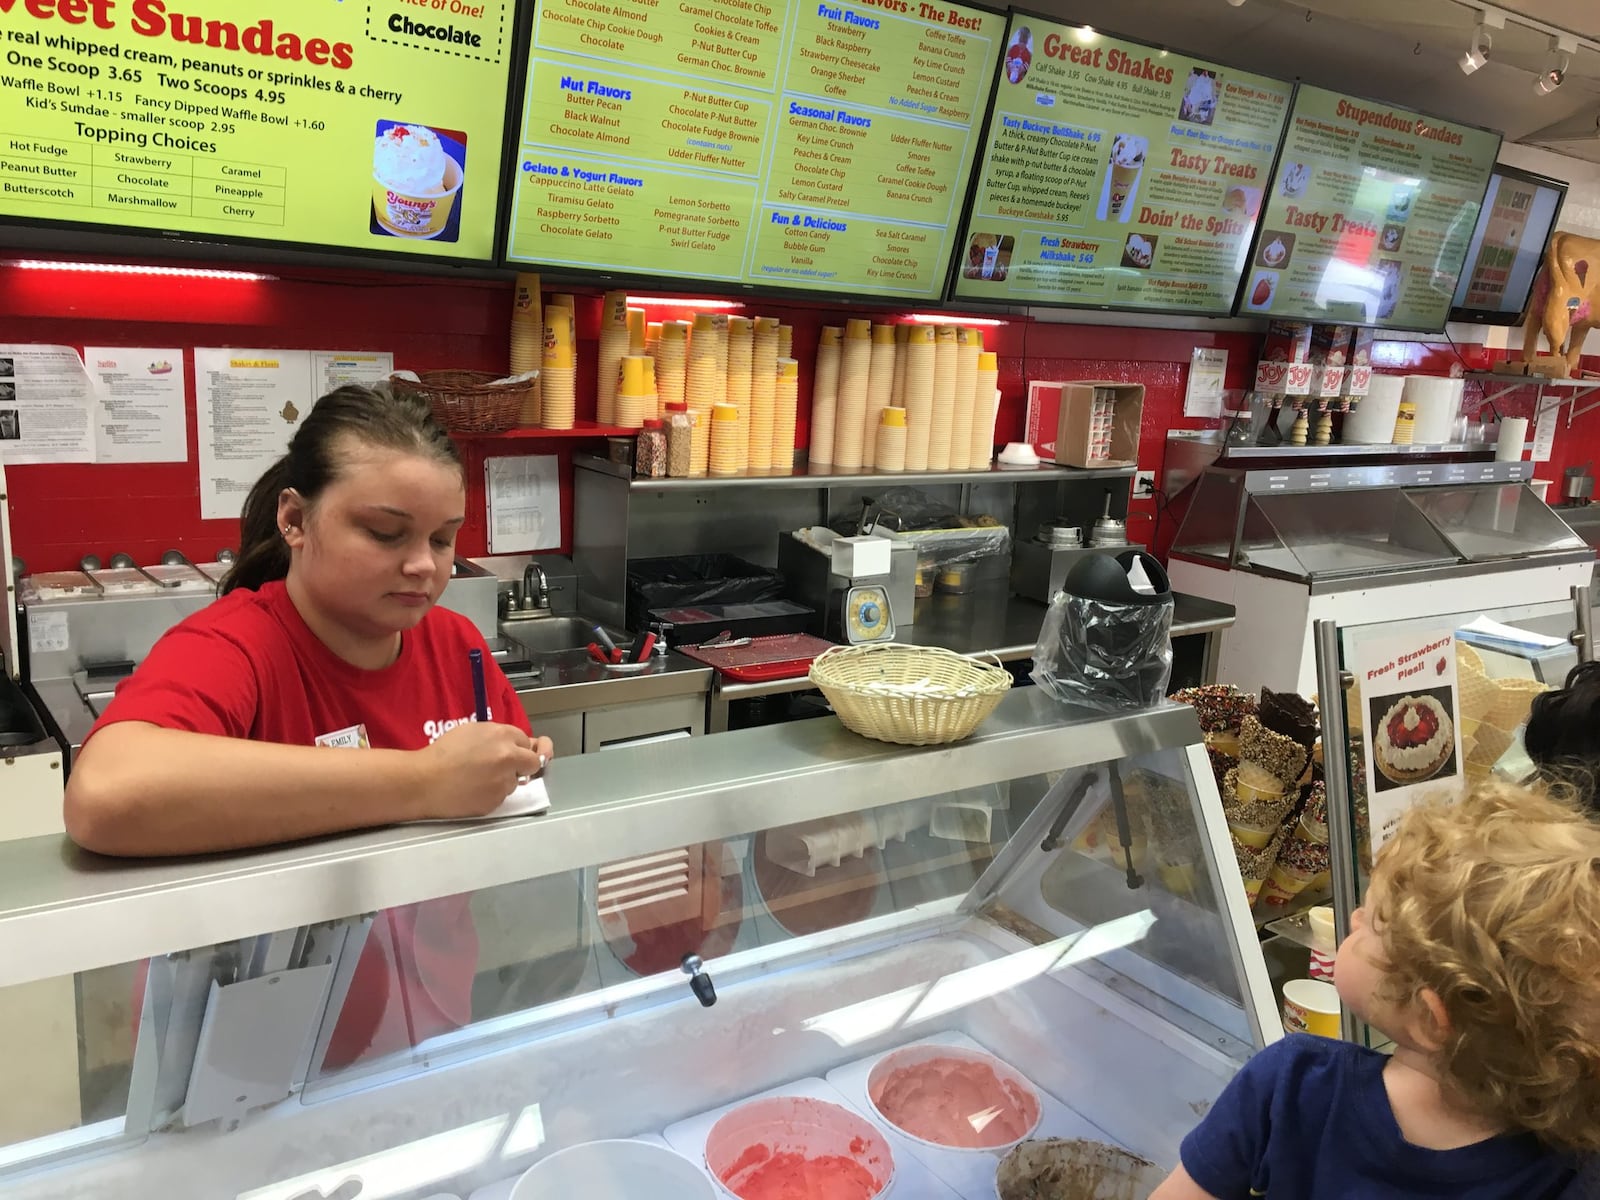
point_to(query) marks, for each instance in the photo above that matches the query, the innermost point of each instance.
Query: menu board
(810, 145)
(376, 126)
(1117, 175)
(1369, 216)
(1519, 213)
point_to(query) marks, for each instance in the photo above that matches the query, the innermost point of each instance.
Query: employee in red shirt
(233, 731)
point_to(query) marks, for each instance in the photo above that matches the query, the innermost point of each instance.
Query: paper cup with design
(415, 181)
(1311, 1006)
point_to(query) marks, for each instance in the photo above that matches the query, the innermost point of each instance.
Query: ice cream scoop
(410, 159)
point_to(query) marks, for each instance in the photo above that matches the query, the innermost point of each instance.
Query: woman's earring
(286, 530)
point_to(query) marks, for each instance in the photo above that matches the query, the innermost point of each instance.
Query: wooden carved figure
(1564, 301)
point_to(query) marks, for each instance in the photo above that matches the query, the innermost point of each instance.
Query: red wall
(60, 512)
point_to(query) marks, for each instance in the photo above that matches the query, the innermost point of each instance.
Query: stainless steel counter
(574, 682)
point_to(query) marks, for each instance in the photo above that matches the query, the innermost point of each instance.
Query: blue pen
(480, 691)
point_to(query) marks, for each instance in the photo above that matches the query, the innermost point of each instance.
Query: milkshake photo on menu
(1126, 164)
(1199, 103)
(988, 256)
(417, 173)
(1019, 54)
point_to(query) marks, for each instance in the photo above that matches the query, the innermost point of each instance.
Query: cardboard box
(1359, 380)
(1330, 359)
(1075, 430)
(1284, 368)
(1044, 418)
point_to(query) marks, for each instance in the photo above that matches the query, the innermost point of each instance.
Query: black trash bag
(1106, 645)
(692, 580)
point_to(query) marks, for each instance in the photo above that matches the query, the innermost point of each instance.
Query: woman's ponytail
(263, 554)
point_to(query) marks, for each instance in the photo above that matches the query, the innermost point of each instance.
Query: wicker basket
(469, 401)
(910, 695)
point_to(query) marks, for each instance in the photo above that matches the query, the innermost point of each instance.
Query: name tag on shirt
(353, 738)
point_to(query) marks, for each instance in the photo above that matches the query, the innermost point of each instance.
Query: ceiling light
(1478, 52)
(1086, 33)
(1555, 69)
(32, 264)
(682, 302)
(947, 319)
(1236, 3)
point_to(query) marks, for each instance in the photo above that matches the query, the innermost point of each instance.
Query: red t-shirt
(247, 666)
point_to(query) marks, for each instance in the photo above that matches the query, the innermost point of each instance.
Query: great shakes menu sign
(1370, 215)
(798, 144)
(375, 125)
(1117, 175)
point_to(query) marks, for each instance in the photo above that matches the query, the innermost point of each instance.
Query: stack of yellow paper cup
(897, 393)
(967, 352)
(855, 369)
(947, 354)
(825, 395)
(785, 341)
(564, 300)
(740, 378)
(559, 375)
(984, 411)
(635, 398)
(613, 347)
(892, 439)
(880, 388)
(700, 391)
(726, 437)
(527, 341)
(763, 394)
(672, 361)
(783, 427)
(637, 331)
(919, 395)
(719, 332)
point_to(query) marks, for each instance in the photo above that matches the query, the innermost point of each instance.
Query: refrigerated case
(1059, 891)
(1293, 546)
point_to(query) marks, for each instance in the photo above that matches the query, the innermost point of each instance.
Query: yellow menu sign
(1370, 215)
(1117, 175)
(374, 126)
(803, 145)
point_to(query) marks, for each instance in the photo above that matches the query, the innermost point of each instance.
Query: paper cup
(421, 217)
(1311, 1006)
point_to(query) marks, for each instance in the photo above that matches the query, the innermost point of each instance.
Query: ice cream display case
(1359, 544)
(906, 972)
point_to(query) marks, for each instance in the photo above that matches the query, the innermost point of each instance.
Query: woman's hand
(473, 768)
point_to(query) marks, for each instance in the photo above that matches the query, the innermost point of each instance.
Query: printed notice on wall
(139, 416)
(1411, 719)
(249, 404)
(46, 400)
(524, 500)
(1207, 370)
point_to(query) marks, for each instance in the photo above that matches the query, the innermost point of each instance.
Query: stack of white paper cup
(672, 362)
(788, 406)
(946, 357)
(527, 340)
(892, 439)
(985, 400)
(1513, 436)
(613, 348)
(635, 399)
(559, 375)
(897, 391)
(969, 347)
(880, 388)
(763, 393)
(920, 354)
(855, 368)
(726, 438)
(741, 375)
(825, 395)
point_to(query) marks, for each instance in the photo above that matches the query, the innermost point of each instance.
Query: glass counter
(430, 1010)
(1309, 536)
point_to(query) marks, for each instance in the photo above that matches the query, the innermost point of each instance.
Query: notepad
(528, 800)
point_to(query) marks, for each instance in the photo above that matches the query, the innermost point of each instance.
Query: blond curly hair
(1494, 905)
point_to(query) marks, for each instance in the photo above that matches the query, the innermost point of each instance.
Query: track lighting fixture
(1555, 68)
(1478, 52)
(1236, 3)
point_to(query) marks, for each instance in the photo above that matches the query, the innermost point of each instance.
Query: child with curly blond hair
(1478, 954)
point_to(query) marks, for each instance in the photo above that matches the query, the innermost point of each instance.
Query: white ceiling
(1403, 51)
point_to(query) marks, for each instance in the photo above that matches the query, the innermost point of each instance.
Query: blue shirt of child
(1308, 1119)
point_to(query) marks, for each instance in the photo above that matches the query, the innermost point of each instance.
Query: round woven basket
(909, 695)
(468, 401)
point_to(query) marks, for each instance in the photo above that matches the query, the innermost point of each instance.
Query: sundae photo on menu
(1242, 201)
(1294, 179)
(417, 173)
(1019, 54)
(1199, 104)
(1276, 247)
(1400, 203)
(1391, 237)
(988, 256)
(1263, 287)
(1388, 287)
(1126, 164)
(1139, 251)
(10, 425)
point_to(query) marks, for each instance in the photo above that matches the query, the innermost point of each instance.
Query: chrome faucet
(531, 599)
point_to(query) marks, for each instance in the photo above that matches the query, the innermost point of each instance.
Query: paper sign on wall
(249, 404)
(524, 502)
(139, 413)
(1411, 725)
(1207, 369)
(46, 401)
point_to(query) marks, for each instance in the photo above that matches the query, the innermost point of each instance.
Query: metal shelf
(1579, 389)
(1252, 453)
(803, 477)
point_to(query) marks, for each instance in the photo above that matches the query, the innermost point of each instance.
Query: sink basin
(550, 635)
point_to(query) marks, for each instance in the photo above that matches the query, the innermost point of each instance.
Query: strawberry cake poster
(1412, 727)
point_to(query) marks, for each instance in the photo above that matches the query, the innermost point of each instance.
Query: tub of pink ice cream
(953, 1098)
(797, 1148)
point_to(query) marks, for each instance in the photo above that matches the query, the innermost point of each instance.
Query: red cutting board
(781, 656)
